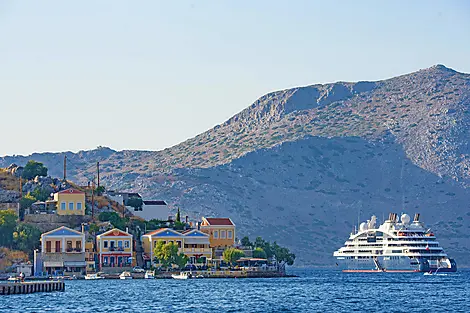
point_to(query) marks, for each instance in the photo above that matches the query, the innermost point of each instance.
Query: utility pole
(65, 168)
(21, 187)
(98, 171)
(93, 199)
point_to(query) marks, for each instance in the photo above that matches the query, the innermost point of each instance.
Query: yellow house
(90, 256)
(193, 243)
(221, 231)
(70, 202)
(63, 251)
(114, 249)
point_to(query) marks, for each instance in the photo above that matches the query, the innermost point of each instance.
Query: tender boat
(93, 276)
(125, 275)
(149, 275)
(394, 246)
(182, 275)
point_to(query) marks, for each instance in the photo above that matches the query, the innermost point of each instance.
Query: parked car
(138, 269)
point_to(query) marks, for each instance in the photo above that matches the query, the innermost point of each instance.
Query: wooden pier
(31, 287)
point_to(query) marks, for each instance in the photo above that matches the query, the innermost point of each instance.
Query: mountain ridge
(419, 122)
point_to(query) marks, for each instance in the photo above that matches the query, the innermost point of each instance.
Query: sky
(147, 75)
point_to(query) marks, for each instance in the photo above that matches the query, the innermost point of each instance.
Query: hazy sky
(150, 74)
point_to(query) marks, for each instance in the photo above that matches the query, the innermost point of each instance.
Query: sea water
(313, 291)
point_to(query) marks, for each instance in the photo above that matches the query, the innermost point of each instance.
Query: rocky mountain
(300, 165)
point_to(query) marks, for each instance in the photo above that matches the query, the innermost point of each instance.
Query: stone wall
(46, 222)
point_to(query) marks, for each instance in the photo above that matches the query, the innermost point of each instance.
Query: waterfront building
(63, 252)
(114, 249)
(221, 231)
(90, 257)
(70, 202)
(193, 243)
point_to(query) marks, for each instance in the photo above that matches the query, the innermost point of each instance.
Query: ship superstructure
(395, 246)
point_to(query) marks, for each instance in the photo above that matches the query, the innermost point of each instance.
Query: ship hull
(399, 264)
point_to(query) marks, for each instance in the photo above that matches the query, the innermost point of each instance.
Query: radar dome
(405, 218)
(363, 226)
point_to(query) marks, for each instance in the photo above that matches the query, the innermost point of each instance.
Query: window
(126, 244)
(79, 205)
(70, 205)
(62, 205)
(105, 244)
(222, 234)
(69, 246)
(154, 243)
(229, 234)
(57, 246)
(216, 234)
(78, 245)
(120, 244)
(105, 260)
(48, 246)
(179, 243)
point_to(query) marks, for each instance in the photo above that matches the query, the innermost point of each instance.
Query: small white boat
(14, 279)
(125, 275)
(182, 275)
(93, 276)
(149, 275)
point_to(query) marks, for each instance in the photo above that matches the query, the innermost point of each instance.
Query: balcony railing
(203, 250)
(116, 249)
(70, 250)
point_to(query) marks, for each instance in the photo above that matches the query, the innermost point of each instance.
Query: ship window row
(413, 245)
(412, 239)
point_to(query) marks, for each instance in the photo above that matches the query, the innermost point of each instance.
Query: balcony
(116, 249)
(73, 250)
(64, 257)
(197, 250)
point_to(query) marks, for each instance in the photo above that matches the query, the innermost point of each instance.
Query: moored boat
(182, 275)
(125, 275)
(395, 246)
(93, 276)
(149, 275)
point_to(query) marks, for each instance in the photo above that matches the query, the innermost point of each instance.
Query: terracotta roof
(71, 191)
(218, 221)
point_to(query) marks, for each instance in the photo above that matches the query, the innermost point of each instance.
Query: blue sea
(313, 291)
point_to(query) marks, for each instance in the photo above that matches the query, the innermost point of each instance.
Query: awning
(53, 264)
(75, 263)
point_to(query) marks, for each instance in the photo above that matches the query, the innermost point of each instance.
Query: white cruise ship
(395, 246)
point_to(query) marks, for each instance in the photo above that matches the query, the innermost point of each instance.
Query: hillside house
(70, 202)
(62, 252)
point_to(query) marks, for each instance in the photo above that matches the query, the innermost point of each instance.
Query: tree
(114, 219)
(178, 216)
(167, 254)
(178, 225)
(181, 260)
(100, 190)
(33, 169)
(231, 255)
(136, 203)
(25, 203)
(246, 242)
(259, 253)
(7, 226)
(93, 229)
(26, 237)
(283, 254)
(41, 194)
